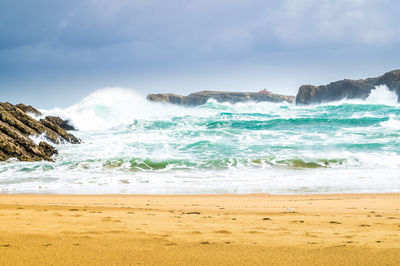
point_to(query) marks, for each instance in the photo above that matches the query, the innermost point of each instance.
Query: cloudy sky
(56, 52)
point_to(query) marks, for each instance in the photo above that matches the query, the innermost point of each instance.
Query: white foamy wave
(39, 138)
(113, 107)
(382, 95)
(392, 123)
(214, 107)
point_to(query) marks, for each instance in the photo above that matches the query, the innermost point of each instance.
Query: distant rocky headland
(199, 98)
(307, 94)
(17, 126)
(347, 89)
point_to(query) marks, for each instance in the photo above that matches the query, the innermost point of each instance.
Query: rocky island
(347, 89)
(17, 126)
(199, 98)
(307, 94)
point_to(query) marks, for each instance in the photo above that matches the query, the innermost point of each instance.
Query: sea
(134, 146)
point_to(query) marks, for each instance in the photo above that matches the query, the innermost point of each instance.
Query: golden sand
(354, 229)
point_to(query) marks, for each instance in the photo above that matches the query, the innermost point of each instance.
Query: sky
(53, 52)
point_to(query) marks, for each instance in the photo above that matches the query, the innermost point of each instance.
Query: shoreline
(200, 229)
(199, 194)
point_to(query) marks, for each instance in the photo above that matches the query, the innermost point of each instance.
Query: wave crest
(112, 107)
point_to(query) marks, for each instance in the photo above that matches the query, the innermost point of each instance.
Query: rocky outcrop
(29, 109)
(347, 89)
(166, 98)
(16, 127)
(335, 91)
(64, 124)
(199, 98)
(390, 79)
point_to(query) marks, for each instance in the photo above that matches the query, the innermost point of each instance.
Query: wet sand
(348, 229)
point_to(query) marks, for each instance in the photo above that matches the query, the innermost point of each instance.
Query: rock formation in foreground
(16, 126)
(199, 98)
(347, 89)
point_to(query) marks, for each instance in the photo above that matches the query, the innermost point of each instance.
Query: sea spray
(382, 95)
(112, 107)
(135, 146)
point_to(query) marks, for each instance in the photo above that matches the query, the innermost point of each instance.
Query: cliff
(347, 89)
(16, 126)
(199, 98)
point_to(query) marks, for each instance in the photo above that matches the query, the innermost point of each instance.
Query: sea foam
(135, 146)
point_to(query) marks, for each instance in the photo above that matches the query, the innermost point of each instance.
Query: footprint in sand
(198, 213)
(223, 232)
(365, 225)
(207, 243)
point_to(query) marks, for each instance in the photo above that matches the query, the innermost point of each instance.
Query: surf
(132, 145)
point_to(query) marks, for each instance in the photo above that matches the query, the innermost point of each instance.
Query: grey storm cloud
(53, 36)
(89, 31)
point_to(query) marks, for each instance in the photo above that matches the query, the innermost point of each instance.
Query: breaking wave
(135, 146)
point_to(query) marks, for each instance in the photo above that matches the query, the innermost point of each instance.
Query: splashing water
(135, 146)
(382, 95)
(112, 107)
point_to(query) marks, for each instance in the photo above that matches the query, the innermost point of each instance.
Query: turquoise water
(133, 146)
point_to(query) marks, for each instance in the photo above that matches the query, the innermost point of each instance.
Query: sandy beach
(348, 229)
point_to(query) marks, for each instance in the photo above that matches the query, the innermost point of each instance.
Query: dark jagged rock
(47, 148)
(64, 124)
(199, 98)
(335, 91)
(29, 109)
(390, 79)
(347, 89)
(68, 137)
(15, 128)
